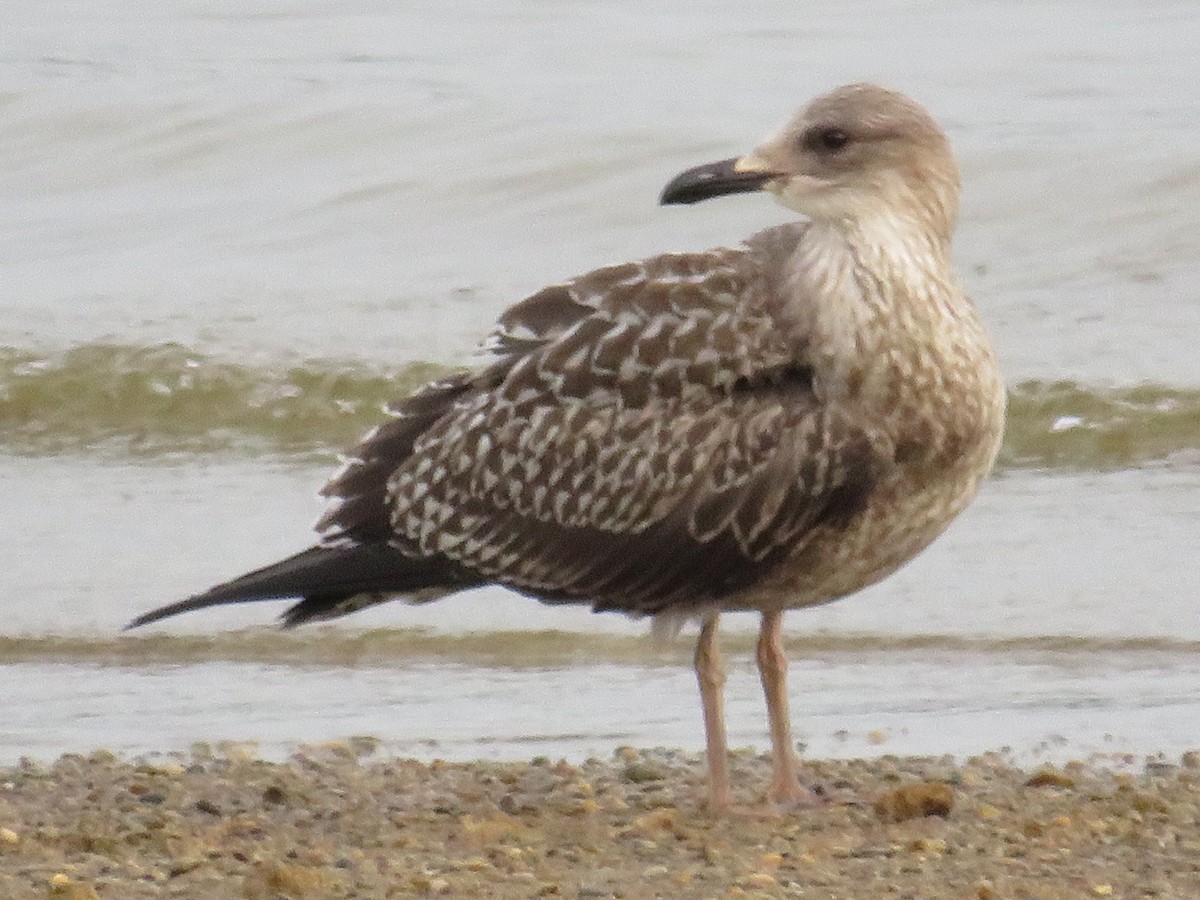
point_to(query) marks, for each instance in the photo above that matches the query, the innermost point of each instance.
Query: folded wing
(646, 437)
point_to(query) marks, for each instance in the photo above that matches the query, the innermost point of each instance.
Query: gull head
(859, 154)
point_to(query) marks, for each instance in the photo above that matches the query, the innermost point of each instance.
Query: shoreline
(340, 820)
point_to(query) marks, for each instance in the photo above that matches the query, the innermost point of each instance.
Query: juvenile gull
(762, 427)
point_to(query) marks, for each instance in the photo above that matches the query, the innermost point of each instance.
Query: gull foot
(757, 812)
(794, 795)
(780, 801)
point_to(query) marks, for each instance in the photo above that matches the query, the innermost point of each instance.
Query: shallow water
(1041, 707)
(258, 179)
(230, 230)
(1091, 633)
(1093, 554)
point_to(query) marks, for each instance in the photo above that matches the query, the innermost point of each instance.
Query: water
(1041, 708)
(229, 231)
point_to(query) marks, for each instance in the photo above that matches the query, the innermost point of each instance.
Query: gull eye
(826, 139)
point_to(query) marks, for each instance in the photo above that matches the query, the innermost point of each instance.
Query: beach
(340, 820)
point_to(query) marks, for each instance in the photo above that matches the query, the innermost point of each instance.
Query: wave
(331, 646)
(116, 399)
(156, 401)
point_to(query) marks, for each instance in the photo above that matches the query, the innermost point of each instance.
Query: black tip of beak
(712, 180)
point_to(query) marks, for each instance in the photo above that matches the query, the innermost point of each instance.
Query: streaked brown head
(859, 152)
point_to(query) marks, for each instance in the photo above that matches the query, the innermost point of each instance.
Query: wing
(616, 305)
(649, 437)
(646, 437)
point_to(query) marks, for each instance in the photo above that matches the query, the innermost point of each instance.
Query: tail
(330, 582)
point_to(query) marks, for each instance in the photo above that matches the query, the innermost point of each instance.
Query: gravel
(338, 821)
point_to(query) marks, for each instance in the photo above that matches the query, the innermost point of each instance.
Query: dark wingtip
(330, 582)
(163, 612)
(712, 180)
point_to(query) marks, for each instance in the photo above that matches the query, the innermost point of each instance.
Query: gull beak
(738, 175)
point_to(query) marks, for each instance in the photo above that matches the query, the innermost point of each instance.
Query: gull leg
(710, 673)
(772, 668)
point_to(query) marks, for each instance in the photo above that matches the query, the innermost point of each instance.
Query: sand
(342, 821)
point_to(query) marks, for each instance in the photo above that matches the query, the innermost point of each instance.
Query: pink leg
(772, 668)
(710, 673)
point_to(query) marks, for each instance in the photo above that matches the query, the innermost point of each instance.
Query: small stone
(870, 852)
(9, 837)
(758, 881)
(910, 801)
(583, 808)
(654, 822)
(339, 750)
(928, 845)
(970, 778)
(1050, 778)
(770, 861)
(64, 886)
(1146, 803)
(492, 830)
(271, 881)
(364, 745)
(1159, 768)
(582, 789)
(640, 773)
(171, 770)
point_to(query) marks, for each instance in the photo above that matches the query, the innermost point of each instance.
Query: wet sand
(339, 821)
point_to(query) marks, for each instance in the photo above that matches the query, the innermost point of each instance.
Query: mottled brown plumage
(762, 427)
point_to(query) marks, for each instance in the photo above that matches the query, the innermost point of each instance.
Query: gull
(762, 427)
